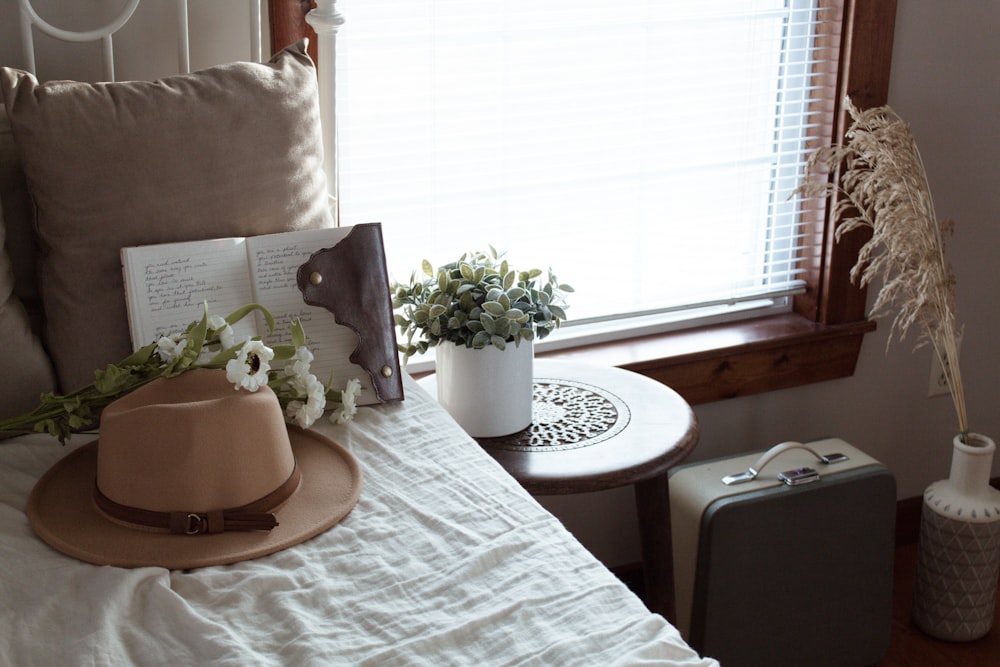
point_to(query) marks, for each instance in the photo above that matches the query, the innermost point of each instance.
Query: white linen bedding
(445, 560)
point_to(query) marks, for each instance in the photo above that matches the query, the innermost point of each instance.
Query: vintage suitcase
(789, 560)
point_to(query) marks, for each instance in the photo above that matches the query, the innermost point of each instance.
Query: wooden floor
(909, 647)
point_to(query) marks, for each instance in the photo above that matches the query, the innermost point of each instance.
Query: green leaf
(480, 340)
(192, 346)
(489, 324)
(498, 342)
(283, 352)
(467, 302)
(502, 328)
(243, 311)
(515, 293)
(298, 333)
(219, 360)
(494, 308)
(509, 278)
(75, 421)
(427, 268)
(517, 315)
(140, 357)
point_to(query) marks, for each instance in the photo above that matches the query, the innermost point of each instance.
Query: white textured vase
(959, 554)
(488, 391)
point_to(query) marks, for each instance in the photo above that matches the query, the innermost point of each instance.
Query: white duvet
(444, 561)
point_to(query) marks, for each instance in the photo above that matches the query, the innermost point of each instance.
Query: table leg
(652, 500)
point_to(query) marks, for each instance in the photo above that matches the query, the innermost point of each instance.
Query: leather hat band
(255, 515)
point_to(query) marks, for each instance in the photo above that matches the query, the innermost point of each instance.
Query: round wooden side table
(596, 428)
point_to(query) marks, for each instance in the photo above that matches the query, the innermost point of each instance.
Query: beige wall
(945, 81)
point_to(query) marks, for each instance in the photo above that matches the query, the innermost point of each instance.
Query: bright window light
(644, 150)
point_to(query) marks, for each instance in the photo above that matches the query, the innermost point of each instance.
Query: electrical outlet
(939, 381)
(938, 385)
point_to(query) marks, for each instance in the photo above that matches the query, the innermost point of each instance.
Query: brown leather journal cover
(350, 280)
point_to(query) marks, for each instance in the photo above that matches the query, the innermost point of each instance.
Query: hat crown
(192, 443)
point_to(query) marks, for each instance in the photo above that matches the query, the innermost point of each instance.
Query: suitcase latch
(798, 476)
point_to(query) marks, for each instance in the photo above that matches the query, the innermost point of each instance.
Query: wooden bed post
(326, 21)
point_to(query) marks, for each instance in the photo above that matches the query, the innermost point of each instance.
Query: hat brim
(62, 512)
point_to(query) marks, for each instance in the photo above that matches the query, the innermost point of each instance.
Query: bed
(444, 560)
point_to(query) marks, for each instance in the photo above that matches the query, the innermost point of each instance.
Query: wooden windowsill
(735, 359)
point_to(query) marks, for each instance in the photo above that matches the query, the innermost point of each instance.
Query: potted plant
(482, 316)
(883, 187)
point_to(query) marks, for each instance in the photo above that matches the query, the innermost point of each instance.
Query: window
(820, 337)
(644, 149)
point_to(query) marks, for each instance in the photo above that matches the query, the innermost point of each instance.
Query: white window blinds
(645, 150)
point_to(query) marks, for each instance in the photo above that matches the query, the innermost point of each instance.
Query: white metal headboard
(325, 20)
(105, 34)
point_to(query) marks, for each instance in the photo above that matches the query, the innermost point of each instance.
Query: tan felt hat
(188, 472)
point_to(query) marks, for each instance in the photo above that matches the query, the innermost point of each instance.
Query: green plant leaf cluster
(477, 301)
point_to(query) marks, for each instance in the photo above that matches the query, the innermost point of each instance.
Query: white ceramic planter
(488, 391)
(959, 555)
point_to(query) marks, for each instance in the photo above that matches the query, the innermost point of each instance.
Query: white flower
(170, 347)
(305, 414)
(348, 402)
(225, 332)
(250, 367)
(298, 366)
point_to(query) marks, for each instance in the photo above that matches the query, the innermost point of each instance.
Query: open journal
(346, 311)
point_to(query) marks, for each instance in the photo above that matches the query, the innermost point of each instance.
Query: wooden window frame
(821, 338)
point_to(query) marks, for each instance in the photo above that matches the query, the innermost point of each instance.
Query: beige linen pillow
(233, 150)
(25, 369)
(20, 222)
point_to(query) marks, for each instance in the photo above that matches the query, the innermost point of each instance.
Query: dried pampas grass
(884, 187)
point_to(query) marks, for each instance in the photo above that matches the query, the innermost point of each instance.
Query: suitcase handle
(753, 471)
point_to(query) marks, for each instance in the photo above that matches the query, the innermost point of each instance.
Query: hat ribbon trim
(255, 515)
